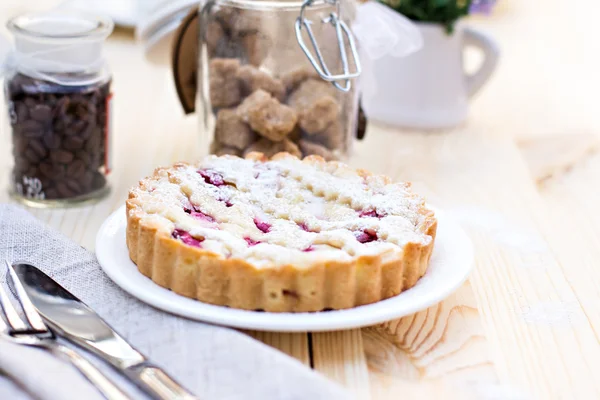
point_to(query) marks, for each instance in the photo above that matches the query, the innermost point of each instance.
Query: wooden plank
(550, 155)
(572, 203)
(482, 181)
(293, 344)
(340, 356)
(444, 345)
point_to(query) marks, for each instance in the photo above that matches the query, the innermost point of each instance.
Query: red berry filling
(304, 227)
(371, 213)
(199, 215)
(186, 238)
(252, 242)
(265, 227)
(227, 202)
(212, 177)
(309, 249)
(366, 236)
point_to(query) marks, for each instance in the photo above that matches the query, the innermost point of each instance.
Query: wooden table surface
(521, 176)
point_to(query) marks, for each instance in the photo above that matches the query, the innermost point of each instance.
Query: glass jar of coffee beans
(58, 99)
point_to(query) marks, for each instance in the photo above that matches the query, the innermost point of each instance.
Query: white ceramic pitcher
(430, 88)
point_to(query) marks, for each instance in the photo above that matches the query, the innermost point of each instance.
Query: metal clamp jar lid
(343, 33)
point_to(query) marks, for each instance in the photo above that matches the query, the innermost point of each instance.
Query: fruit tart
(280, 234)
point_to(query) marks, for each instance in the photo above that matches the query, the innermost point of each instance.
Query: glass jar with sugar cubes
(278, 76)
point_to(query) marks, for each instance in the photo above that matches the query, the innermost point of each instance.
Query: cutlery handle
(157, 383)
(104, 385)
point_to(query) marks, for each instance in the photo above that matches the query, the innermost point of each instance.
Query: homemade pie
(280, 235)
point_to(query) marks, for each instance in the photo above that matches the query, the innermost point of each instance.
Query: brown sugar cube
(267, 116)
(219, 149)
(228, 48)
(256, 46)
(292, 79)
(270, 148)
(309, 91)
(320, 114)
(309, 148)
(333, 137)
(315, 103)
(224, 86)
(253, 79)
(214, 33)
(226, 16)
(232, 131)
(246, 21)
(296, 134)
(256, 99)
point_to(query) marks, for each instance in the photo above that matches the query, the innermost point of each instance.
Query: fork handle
(105, 386)
(157, 383)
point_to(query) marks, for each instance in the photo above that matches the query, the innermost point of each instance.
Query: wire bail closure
(342, 33)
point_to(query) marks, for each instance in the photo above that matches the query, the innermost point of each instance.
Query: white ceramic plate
(451, 263)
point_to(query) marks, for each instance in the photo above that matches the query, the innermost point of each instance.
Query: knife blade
(73, 320)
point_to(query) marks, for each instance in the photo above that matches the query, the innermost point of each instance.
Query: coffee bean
(50, 100)
(51, 194)
(52, 171)
(20, 144)
(59, 125)
(84, 156)
(32, 156)
(93, 143)
(62, 124)
(78, 98)
(64, 191)
(22, 164)
(61, 156)
(32, 129)
(32, 172)
(92, 109)
(46, 183)
(75, 128)
(89, 131)
(87, 179)
(97, 161)
(73, 185)
(73, 143)
(82, 111)
(38, 147)
(52, 141)
(62, 105)
(41, 113)
(22, 111)
(76, 169)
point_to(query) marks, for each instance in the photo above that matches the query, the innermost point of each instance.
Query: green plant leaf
(444, 12)
(442, 3)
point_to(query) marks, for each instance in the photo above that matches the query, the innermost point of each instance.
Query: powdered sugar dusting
(284, 211)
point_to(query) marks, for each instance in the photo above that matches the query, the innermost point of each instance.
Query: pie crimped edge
(208, 277)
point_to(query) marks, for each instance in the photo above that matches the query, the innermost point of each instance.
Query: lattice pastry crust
(280, 235)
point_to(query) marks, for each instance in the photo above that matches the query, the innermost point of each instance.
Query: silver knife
(72, 319)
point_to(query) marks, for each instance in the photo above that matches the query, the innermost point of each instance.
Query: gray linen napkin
(214, 362)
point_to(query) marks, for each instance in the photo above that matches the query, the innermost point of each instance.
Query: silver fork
(37, 334)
